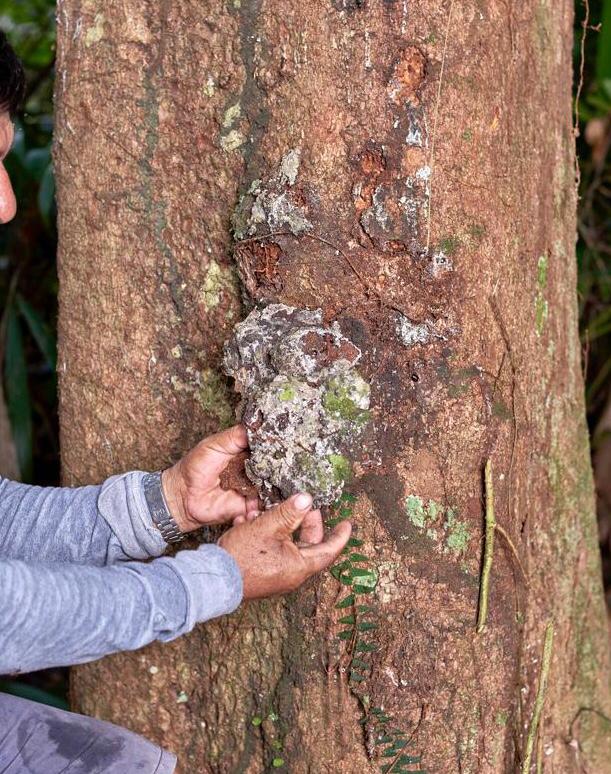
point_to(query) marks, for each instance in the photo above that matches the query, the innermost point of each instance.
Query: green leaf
(18, 393)
(335, 521)
(346, 634)
(37, 161)
(256, 721)
(345, 602)
(365, 647)
(345, 579)
(364, 609)
(603, 47)
(25, 691)
(358, 662)
(277, 744)
(347, 497)
(358, 678)
(354, 543)
(39, 330)
(366, 626)
(348, 619)
(278, 762)
(362, 589)
(362, 572)
(359, 558)
(46, 195)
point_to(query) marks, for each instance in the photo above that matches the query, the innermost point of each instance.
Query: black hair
(12, 78)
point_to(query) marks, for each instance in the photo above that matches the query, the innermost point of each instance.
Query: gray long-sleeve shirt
(72, 588)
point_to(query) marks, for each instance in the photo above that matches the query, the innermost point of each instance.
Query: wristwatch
(158, 508)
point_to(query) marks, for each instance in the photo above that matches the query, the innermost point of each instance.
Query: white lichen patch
(289, 166)
(303, 403)
(440, 263)
(96, 32)
(272, 204)
(411, 333)
(209, 87)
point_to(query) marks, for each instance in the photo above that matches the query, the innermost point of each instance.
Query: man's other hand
(192, 486)
(270, 562)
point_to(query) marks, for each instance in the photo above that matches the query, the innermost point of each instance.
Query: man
(73, 586)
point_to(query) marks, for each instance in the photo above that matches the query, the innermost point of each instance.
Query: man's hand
(192, 486)
(270, 562)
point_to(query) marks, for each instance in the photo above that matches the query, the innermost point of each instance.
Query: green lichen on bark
(541, 305)
(426, 517)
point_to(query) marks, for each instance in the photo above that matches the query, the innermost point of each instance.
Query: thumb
(320, 556)
(284, 519)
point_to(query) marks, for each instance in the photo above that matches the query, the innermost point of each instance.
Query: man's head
(12, 87)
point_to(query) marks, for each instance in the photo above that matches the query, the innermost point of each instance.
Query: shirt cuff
(122, 504)
(212, 580)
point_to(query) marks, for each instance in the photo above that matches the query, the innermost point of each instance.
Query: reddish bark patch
(408, 76)
(258, 267)
(324, 349)
(234, 477)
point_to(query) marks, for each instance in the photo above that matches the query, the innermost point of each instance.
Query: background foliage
(28, 282)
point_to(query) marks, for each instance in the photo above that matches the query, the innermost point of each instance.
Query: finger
(312, 530)
(320, 556)
(224, 505)
(283, 519)
(252, 515)
(239, 520)
(229, 442)
(253, 504)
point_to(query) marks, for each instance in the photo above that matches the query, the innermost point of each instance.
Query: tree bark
(409, 168)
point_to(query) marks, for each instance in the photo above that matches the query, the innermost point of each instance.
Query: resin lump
(303, 403)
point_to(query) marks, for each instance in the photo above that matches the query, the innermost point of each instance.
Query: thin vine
(386, 742)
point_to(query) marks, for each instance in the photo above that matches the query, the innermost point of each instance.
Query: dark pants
(36, 739)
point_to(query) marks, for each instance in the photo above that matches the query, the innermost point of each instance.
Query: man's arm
(100, 525)
(94, 525)
(59, 614)
(55, 614)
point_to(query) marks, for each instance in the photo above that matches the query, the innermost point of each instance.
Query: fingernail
(303, 501)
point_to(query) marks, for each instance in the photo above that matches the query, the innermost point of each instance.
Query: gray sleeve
(86, 525)
(60, 614)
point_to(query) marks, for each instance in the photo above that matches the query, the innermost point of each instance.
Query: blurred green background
(28, 281)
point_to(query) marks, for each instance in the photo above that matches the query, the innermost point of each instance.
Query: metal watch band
(158, 508)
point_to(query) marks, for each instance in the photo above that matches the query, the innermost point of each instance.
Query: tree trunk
(409, 168)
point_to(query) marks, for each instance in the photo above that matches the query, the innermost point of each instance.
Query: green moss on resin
(339, 401)
(287, 392)
(340, 466)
